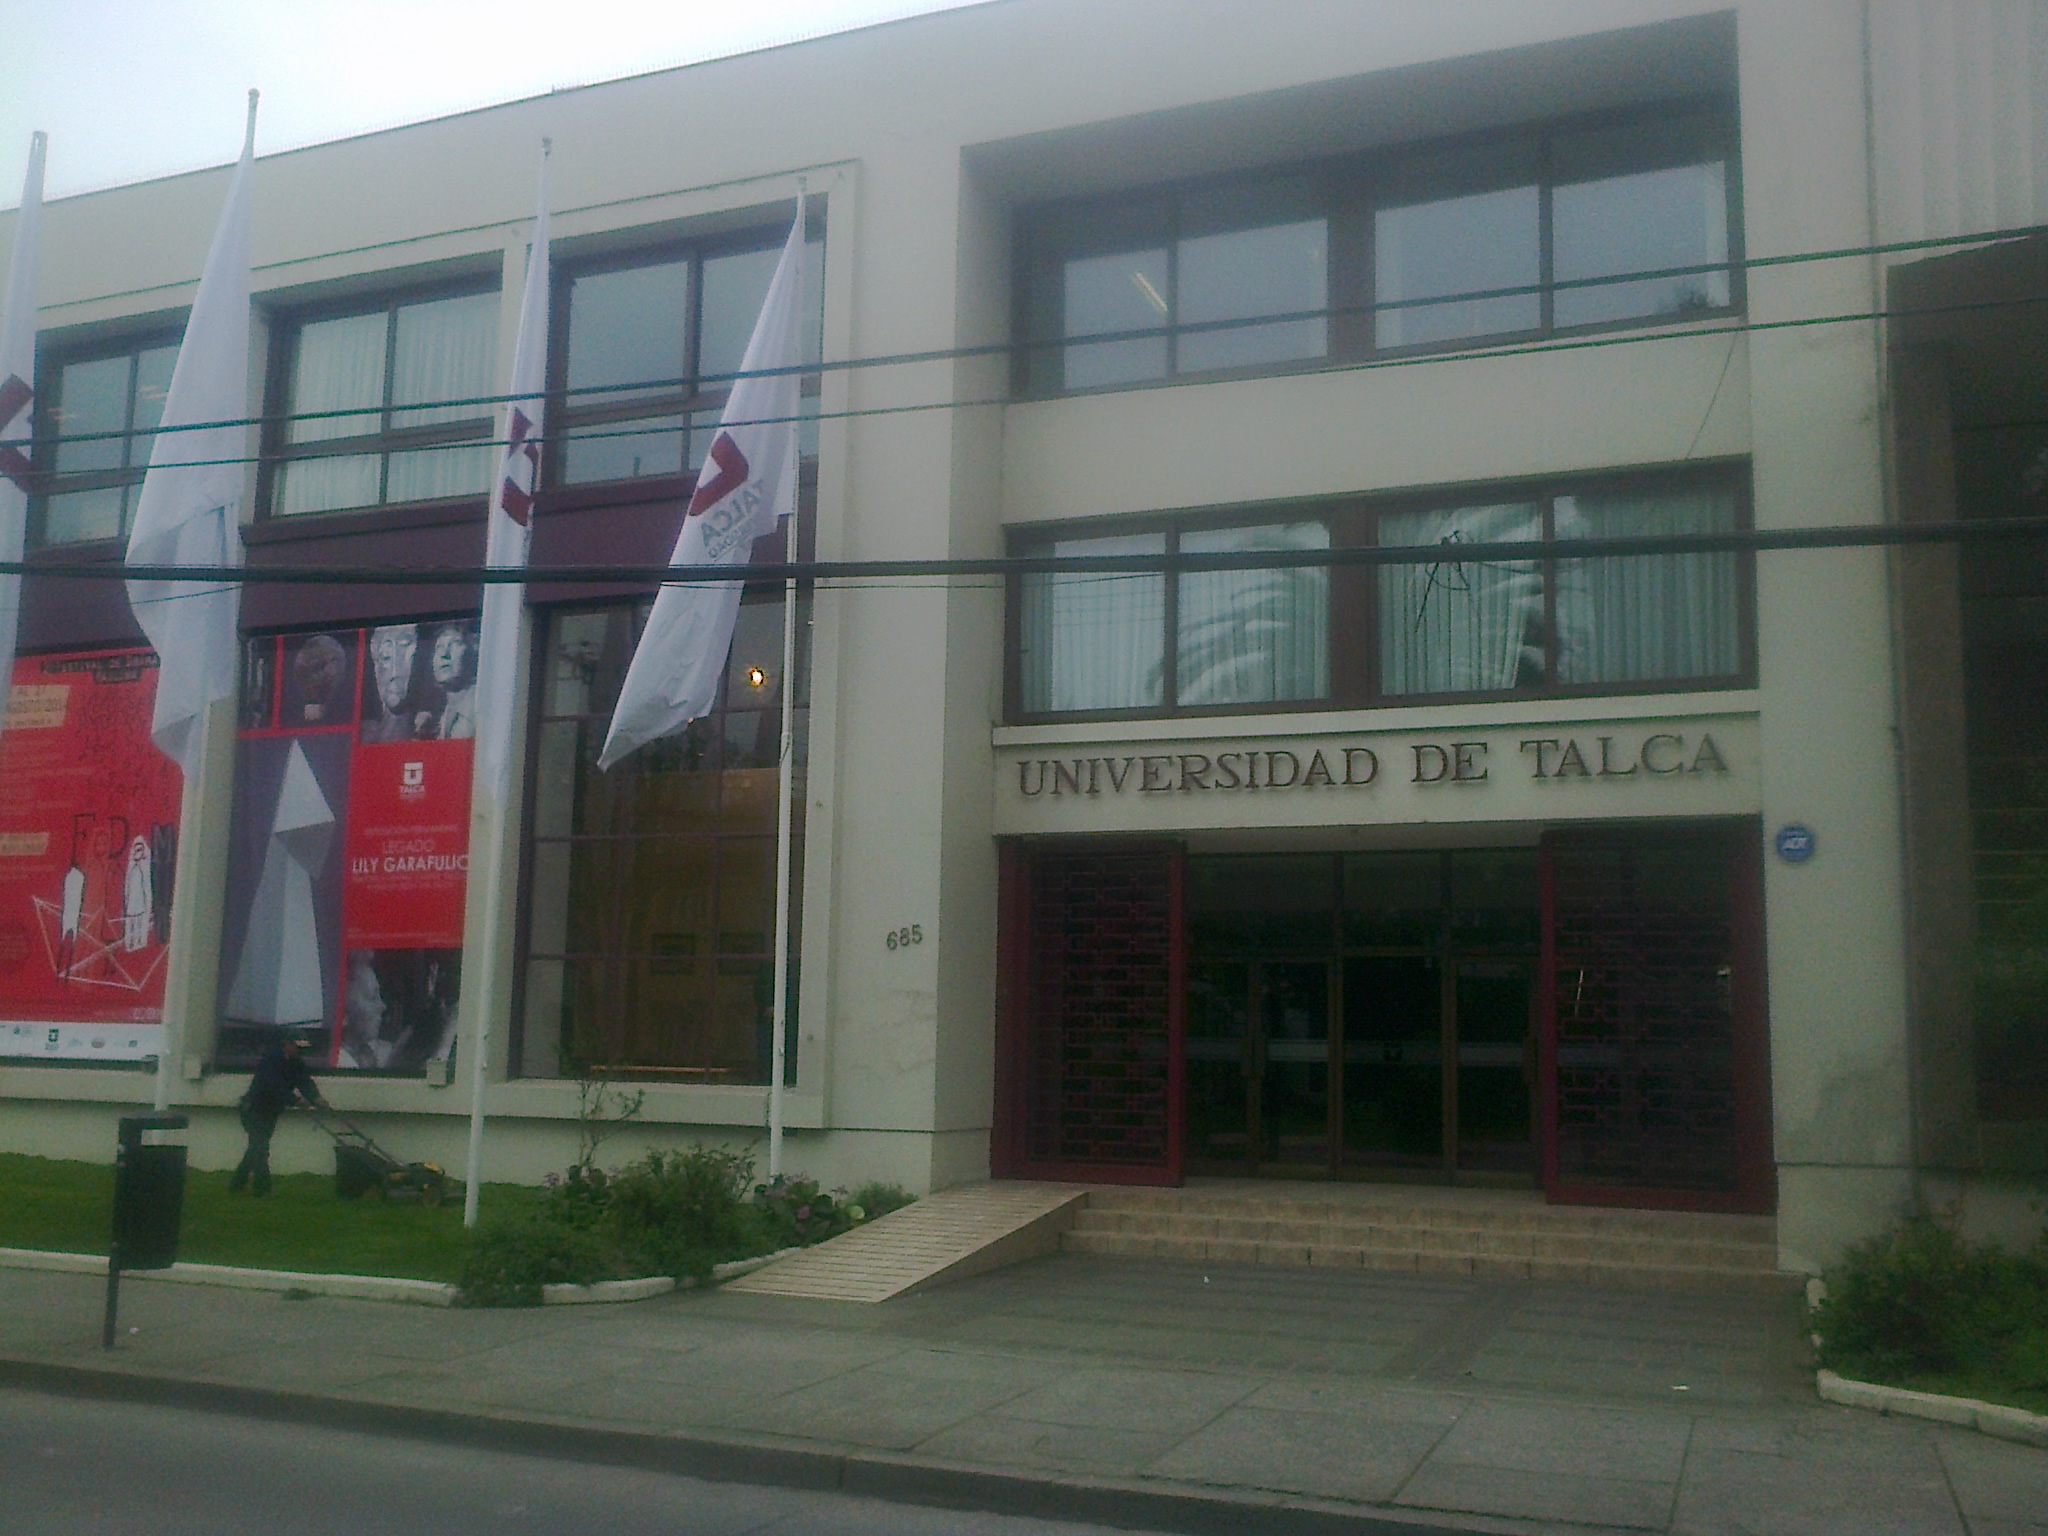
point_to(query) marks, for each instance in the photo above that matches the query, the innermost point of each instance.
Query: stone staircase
(1486, 1233)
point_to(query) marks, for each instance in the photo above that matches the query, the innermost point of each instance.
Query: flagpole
(784, 812)
(508, 530)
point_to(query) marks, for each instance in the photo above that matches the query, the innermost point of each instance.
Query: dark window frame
(46, 479)
(693, 392)
(1354, 660)
(1352, 189)
(280, 380)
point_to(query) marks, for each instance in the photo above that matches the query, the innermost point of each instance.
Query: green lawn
(66, 1207)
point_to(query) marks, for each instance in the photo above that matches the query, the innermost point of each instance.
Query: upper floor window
(385, 405)
(97, 415)
(1622, 220)
(1204, 636)
(652, 343)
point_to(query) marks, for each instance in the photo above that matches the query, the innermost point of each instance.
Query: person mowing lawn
(282, 1079)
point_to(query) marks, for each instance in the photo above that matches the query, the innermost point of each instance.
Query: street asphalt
(1108, 1391)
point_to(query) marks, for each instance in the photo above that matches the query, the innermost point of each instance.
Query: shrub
(1921, 1306)
(671, 1213)
(800, 1212)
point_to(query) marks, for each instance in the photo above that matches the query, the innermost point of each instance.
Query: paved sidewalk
(1240, 1399)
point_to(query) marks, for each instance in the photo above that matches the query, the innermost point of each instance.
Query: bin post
(149, 1198)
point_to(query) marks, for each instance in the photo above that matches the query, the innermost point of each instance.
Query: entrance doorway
(1363, 1014)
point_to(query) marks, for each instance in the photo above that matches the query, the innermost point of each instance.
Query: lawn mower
(362, 1167)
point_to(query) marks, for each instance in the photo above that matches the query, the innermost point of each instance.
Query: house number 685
(903, 938)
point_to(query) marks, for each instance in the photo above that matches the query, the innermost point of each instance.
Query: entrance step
(1487, 1233)
(945, 1236)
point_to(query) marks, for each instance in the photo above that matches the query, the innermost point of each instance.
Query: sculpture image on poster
(353, 940)
(88, 852)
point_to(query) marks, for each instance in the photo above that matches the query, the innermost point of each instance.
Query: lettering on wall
(1450, 764)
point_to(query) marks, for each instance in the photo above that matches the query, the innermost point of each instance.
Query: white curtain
(1095, 642)
(340, 365)
(1456, 625)
(445, 350)
(1647, 618)
(1251, 637)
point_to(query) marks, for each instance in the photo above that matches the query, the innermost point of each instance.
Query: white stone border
(1987, 1418)
(423, 1293)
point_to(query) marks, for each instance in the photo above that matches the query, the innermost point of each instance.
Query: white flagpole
(506, 541)
(784, 813)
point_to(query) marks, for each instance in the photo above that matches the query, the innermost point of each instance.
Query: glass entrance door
(1258, 1064)
(1496, 1066)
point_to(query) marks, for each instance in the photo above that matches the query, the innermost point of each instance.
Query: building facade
(1350, 818)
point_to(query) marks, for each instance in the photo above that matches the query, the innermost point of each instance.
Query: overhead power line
(1735, 541)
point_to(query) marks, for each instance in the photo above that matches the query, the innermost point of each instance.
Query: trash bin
(149, 1191)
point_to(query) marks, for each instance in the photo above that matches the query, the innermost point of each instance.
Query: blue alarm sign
(1795, 843)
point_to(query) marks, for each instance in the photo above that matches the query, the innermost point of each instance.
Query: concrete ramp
(945, 1236)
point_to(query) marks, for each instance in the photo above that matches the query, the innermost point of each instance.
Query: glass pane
(447, 350)
(1495, 898)
(1393, 900)
(589, 652)
(1647, 618)
(1254, 636)
(557, 773)
(665, 896)
(571, 897)
(339, 364)
(152, 387)
(428, 474)
(77, 516)
(541, 1028)
(735, 285)
(92, 397)
(1639, 198)
(1393, 1061)
(1461, 239)
(1461, 626)
(1294, 1098)
(746, 892)
(628, 328)
(1218, 1022)
(1239, 274)
(327, 484)
(1496, 1068)
(1095, 642)
(1261, 901)
(1125, 291)
(623, 450)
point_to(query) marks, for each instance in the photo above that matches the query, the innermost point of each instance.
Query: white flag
(17, 392)
(190, 510)
(747, 484)
(508, 524)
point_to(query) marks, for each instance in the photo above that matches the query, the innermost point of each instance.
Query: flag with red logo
(511, 518)
(17, 392)
(190, 509)
(747, 485)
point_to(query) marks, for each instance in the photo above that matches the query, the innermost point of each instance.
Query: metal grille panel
(1642, 957)
(1098, 1072)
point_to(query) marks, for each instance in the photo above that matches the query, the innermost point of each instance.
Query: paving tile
(1543, 1495)
(1594, 1443)
(1370, 1399)
(990, 1439)
(1822, 1486)
(899, 1403)
(1163, 1402)
(1326, 1455)
(1995, 1480)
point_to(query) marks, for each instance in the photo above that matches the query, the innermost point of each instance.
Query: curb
(762, 1462)
(1967, 1412)
(419, 1293)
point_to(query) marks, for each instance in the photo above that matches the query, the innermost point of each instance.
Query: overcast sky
(130, 89)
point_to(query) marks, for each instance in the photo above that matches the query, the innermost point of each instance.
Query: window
(651, 889)
(1504, 236)
(94, 438)
(1200, 635)
(386, 406)
(652, 344)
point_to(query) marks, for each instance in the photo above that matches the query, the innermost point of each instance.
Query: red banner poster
(349, 855)
(88, 847)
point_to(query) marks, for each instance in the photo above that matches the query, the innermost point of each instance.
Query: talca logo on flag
(412, 781)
